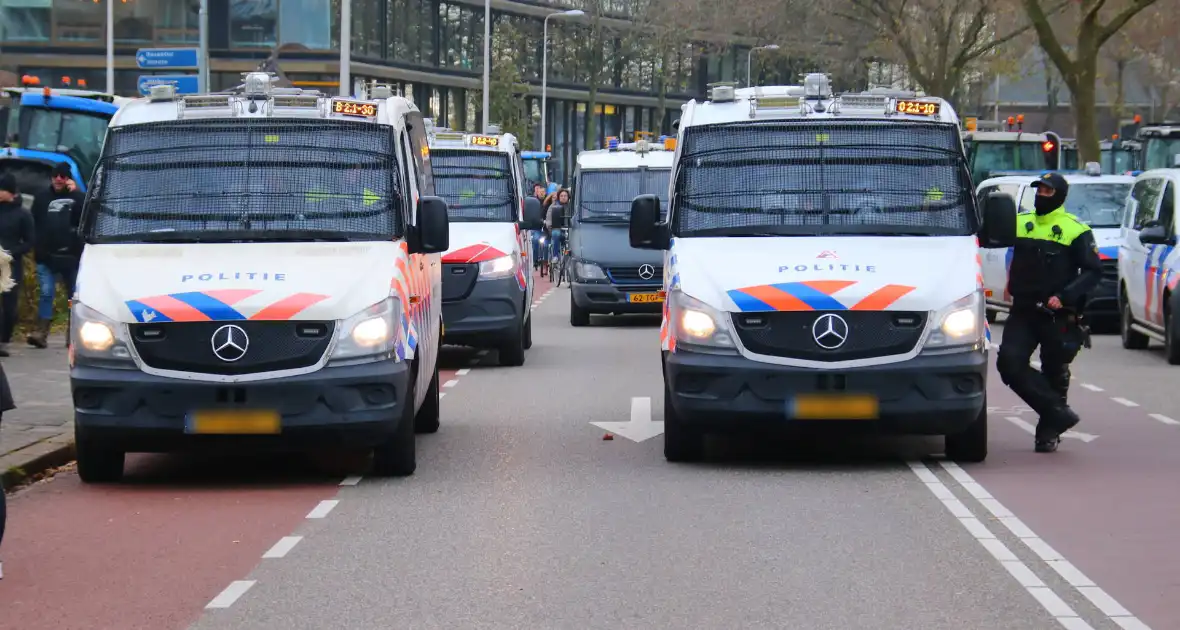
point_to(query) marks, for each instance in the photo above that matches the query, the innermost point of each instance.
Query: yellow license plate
(834, 407)
(645, 298)
(243, 422)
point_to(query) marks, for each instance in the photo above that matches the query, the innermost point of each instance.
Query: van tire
(970, 446)
(528, 330)
(427, 418)
(1132, 339)
(1171, 344)
(578, 316)
(992, 316)
(97, 462)
(397, 456)
(682, 443)
(512, 348)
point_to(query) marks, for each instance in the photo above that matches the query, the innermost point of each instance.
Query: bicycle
(564, 273)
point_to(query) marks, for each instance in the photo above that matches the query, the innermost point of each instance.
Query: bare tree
(1079, 66)
(1151, 37)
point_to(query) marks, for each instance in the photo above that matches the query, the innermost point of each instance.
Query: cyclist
(556, 222)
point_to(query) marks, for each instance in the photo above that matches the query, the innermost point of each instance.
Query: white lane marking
(226, 598)
(1072, 575)
(321, 510)
(442, 394)
(1032, 430)
(451, 383)
(641, 427)
(1061, 611)
(283, 547)
(1093, 388)
(1035, 364)
(351, 480)
(463, 372)
(1124, 402)
(1164, 419)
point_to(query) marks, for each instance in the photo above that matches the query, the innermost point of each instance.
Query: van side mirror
(998, 228)
(532, 214)
(646, 231)
(1156, 234)
(432, 235)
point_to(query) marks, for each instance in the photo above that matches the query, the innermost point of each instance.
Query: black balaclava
(1045, 205)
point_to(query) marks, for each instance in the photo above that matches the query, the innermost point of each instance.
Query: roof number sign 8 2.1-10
(354, 108)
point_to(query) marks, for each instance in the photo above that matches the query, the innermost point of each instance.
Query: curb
(20, 466)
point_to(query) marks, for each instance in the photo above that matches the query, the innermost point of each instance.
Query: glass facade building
(431, 49)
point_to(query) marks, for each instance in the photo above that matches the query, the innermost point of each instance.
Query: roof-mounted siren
(865, 101)
(722, 92)
(669, 142)
(162, 92)
(1093, 168)
(786, 100)
(257, 84)
(494, 130)
(817, 86)
(612, 143)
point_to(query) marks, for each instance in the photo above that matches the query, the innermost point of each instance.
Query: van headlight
(97, 340)
(698, 325)
(497, 268)
(588, 271)
(370, 334)
(959, 325)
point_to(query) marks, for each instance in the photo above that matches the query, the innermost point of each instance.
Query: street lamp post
(346, 48)
(487, 60)
(110, 46)
(750, 55)
(545, 67)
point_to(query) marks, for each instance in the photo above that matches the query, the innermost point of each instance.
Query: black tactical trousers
(1045, 391)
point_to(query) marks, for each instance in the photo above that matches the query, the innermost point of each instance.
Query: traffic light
(1051, 147)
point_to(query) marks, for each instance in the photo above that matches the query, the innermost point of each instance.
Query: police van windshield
(605, 196)
(1117, 161)
(834, 177)
(477, 185)
(1096, 205)
(246, 180)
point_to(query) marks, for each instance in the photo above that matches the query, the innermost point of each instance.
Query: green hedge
(30, 292)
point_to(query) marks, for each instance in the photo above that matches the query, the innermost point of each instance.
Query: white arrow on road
(641, 427)
(1032, 430)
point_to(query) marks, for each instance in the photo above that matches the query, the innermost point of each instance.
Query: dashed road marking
(441, 395)
(283, 547)
(1071, 574)
(451, 383)
(226, 598)
(1061, 611)
(351, 480)
(463, 372)
(1093, 388)
(482, 353)
(1124, 402)
(1164, 419)
(324, 507)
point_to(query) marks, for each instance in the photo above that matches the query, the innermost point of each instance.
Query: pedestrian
(16, 238)
(6, 400)
(1054, 265)
(57, 249)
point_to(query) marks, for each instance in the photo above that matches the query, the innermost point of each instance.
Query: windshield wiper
(606, 219)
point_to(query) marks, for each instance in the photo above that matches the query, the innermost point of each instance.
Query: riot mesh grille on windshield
(607, 195)
(477, 185)
(269, 177)
(856, 176)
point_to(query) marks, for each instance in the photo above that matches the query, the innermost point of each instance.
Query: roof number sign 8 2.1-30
(354, 108)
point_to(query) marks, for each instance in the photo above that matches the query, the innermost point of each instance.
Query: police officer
(1054, 264)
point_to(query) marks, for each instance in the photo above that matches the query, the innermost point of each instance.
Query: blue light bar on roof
(535, 155)
(614, 143)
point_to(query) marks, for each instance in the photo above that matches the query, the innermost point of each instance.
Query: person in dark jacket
(55, 216)
(6, 404)
(16, 237)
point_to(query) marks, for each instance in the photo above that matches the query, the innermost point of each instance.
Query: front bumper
(347, 406)
(604, 298)
(927, 395)
(491, 311)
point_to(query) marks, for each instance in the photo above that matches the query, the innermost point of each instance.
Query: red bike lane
(1108, 506)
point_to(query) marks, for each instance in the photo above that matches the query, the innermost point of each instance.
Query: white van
(1095, 199)
(261, 271)
(1148, 264)
(609, 276)
(821, 264)
(487, 289)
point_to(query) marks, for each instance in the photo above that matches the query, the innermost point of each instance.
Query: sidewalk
(39, 433)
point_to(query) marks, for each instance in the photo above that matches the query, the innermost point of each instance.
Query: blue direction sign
(185, 83)
(148, 58)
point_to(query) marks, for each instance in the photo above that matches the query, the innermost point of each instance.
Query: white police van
(261, 271)
(609, 276)
(1097, 200)
(487, 284)
(821, 264)
(1149, 264)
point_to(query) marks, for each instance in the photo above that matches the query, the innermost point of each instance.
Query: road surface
(521, 515)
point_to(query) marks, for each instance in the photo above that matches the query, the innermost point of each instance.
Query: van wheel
(970, 445)
(512, 350)
(681, 443)
(427, 419)
(578, 316)
(1171, 344)
(528, 331)
(1132, 339)
(992, 316)
(97, 462)
(397, 456)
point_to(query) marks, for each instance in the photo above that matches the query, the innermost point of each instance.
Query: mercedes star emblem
(647, 272)
(230, 343)
(830, 331)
